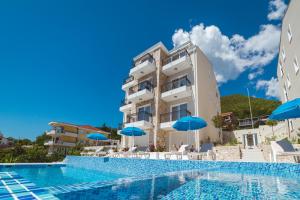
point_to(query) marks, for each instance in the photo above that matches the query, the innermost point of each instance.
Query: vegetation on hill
(239, 105)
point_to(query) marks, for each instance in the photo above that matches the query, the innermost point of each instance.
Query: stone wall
(228, 153)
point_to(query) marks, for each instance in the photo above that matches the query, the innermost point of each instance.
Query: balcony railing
(175, 56)
(128, 79)
(140, 116)
(125, 102)
(147, 57)
(141, 86)
(173, 116)
(184, 81)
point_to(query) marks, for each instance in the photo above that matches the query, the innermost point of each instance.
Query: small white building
(3, 140)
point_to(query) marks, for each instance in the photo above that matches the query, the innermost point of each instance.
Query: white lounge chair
(125, 154)
(181, 151)
(89, 151)
(205, 153)
(284, 148)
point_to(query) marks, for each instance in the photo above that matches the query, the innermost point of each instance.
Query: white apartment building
(288, 70)
(164, 86)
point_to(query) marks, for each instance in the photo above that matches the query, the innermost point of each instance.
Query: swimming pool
(113, 178)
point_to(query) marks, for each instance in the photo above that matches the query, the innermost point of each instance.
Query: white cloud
(276, 9)
(231, 56)
(255, 74)
(270, 86)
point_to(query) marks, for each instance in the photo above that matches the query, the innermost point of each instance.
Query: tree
(272, 123)
(40, 140)
(113, 131)
(218, 123)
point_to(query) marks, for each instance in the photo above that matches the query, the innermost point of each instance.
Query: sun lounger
(182, 150)
(92, 153)
(142, 152)
(284, 148)
(205, 153)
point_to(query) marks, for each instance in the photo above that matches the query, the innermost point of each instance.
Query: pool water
(197, 185)
(45, 176)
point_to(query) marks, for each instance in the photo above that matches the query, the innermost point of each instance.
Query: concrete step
(252, 155)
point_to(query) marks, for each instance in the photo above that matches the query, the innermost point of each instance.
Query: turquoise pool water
(197, 185)
(112, 178)
(45, 176)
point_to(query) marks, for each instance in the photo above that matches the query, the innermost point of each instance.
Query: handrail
(139, 116)
(147, 57)
(168, 117)
(183, 81)
(125, 102)
(175, 56)
(128, 79)
(141, 86)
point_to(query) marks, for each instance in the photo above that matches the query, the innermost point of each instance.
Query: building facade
(288, 70)
(65, 136)
(164, 86)
(3, 141)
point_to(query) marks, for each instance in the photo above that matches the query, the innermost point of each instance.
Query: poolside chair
(101, 152)
(130, 153)
(142, 152)
(91, 152)
(284, 148)
(205, 153)
(181, 151)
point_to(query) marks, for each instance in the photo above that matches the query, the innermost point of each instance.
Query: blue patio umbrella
(132, 131)
(189, 123)
(288, 110)
(96, 136)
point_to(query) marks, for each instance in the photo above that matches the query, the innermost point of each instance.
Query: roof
(152, 48)
(81, 127)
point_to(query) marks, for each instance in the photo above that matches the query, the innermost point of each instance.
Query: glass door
(144, 113)
(178, 112)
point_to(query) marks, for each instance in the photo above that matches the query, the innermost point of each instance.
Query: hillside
(239, 105)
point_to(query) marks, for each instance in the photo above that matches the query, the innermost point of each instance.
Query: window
(289, 33)
(179, 82)
(283, 54)
(285, 93)
(291, 125)
(179, 111)
(144, 113)
(288, 81)
(296, 65)
(281, 69)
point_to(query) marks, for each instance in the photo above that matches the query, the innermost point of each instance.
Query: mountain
(239, 105)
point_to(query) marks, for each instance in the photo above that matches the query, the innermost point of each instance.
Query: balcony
(141, 120)
(125, 106)
(59, 143)
(51, 133)
(141, 92)
(146, 66)
(128, 82)
(176, 89)
(64, 133)
(176, 63)
(168, 119)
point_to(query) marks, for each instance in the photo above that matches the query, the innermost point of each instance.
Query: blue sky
(65, 60)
